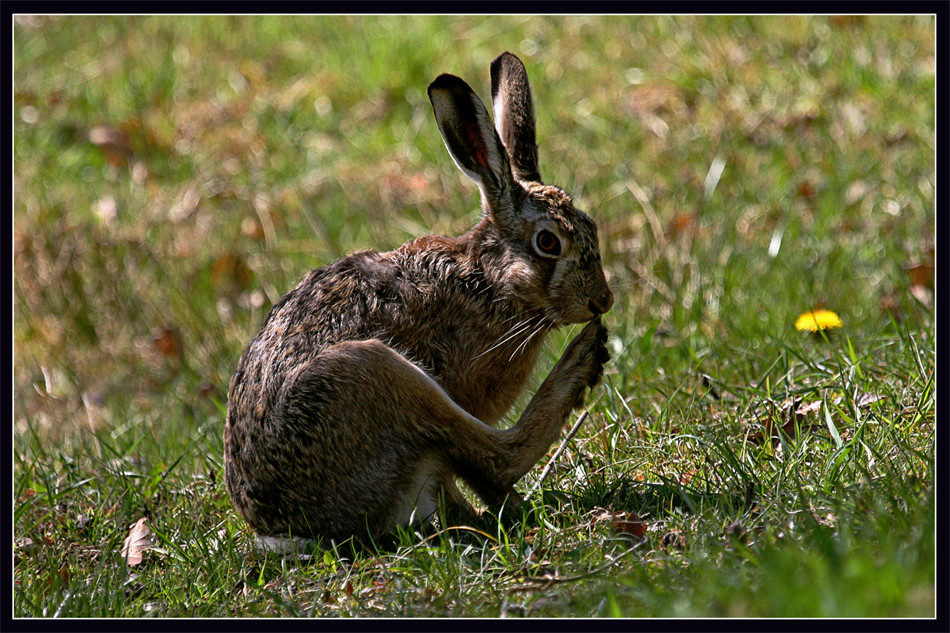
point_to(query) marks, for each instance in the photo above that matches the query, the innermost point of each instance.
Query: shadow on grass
(654, 499)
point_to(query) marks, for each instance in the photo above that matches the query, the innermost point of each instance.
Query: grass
(175, 176)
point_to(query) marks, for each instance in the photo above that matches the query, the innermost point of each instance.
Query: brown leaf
(538, 555)
(890, 304)
(231, 274)
(168, 342)
(868, 399)
(632, 525)
(105, 135)
(806, 190)
(809, 407)
(622, 522)
(138, 540)
(681, 223)
(650, 98)
(921, 274)
(208, 389)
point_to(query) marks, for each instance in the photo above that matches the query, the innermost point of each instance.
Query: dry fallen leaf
(806, 190)
(622, 522)
(138, 540)
(167, 342)
(630, 526)
(680, 224)
(650, 98)
(231, 274)
(810, 407)
(867, 399)
(921, 274)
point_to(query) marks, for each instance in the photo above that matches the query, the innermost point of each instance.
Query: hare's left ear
(470, 138)
(514, 115)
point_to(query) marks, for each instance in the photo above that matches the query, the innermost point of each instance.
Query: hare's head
(546, 250)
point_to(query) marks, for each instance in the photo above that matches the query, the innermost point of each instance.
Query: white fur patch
(285, 544)
(420, 503)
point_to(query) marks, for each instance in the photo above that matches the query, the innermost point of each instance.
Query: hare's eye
(547, 244)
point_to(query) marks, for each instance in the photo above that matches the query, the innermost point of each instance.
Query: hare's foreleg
(493, 465)
(541, 422)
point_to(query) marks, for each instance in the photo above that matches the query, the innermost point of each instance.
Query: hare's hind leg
(386, 440)
(399, 438)
(420, 438)
(490, 460)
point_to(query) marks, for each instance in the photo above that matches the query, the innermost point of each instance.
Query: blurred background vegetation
(174, 176)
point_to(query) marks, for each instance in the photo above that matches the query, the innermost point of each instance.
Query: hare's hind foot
(285, 544)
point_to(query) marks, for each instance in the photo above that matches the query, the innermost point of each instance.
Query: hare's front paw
(585, 358)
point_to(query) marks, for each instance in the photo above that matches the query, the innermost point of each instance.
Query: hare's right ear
(514, 114)
(471, 139)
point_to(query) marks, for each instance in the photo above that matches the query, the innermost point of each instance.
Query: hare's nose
(600, 305)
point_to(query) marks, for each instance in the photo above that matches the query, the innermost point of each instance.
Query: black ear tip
(446, 81)
(507, 59)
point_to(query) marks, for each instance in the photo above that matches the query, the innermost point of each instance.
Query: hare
(376, 383)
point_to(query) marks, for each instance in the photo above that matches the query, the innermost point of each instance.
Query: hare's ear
(514, 115)
(470, 138)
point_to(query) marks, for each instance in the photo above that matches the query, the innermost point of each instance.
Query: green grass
(175, 176)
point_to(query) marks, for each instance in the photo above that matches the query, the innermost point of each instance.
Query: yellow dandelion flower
(815, 320)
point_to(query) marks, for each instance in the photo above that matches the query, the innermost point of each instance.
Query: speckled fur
(378, 380)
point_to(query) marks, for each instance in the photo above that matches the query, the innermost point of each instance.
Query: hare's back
(363, 296)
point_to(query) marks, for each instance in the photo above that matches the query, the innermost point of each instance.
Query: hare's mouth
(559, 316)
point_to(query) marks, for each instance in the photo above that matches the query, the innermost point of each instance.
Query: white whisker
(524, 343)
(515, 330)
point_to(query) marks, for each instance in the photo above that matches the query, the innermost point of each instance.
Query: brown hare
(378, 380)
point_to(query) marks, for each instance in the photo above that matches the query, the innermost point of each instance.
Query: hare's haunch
(376, 382)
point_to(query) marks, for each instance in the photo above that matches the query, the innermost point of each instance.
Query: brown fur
(378, 380)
